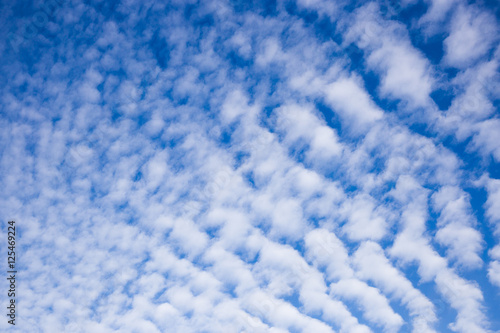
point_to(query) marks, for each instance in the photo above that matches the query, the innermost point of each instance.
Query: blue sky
(266, 166)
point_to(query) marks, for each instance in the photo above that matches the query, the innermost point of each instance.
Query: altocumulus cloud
(267, 166)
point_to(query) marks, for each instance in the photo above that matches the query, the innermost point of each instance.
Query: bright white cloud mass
(251, 166)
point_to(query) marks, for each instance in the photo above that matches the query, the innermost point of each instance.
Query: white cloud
(353, 104)
(405, 73)
(376, 308)
(191, 168)
(324, 249)
(372, 264)
(456, 226)
(487, 137)
(493, 214)
(363, 220)
(301, 125)
(437, 11)
(472, 33)
(411, 245)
